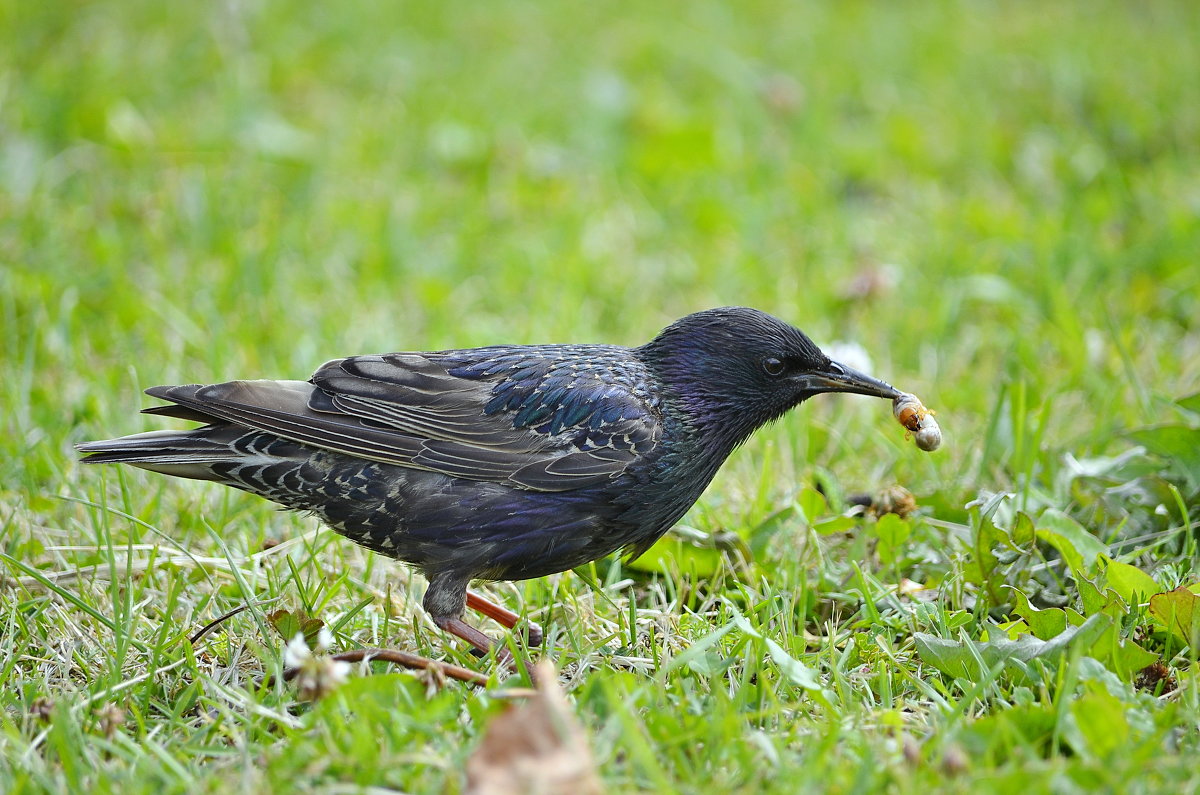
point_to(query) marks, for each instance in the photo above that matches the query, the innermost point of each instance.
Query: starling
(503, 462)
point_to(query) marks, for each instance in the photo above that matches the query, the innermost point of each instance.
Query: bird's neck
(709, 431)
(715, 409)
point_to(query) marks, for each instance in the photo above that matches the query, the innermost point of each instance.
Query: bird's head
(734, 369)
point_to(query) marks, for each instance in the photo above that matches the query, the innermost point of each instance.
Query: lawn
(995, 206)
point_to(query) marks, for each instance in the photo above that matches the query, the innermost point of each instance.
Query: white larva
(918, 421)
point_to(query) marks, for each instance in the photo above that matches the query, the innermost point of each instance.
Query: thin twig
(402, 658)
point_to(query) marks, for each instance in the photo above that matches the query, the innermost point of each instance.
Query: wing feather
(546, 418)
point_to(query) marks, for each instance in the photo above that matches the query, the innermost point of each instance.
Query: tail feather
(186, 454)
(221, 450)
(181, 413)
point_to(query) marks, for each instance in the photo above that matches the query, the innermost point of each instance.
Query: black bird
(498, 463)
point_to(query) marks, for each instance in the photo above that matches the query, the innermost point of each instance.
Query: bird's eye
(773, 366)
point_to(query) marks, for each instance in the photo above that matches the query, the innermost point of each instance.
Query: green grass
(193, 192)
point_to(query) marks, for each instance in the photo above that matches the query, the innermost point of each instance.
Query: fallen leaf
(288, 623)
(537, 747)
(1179, 610)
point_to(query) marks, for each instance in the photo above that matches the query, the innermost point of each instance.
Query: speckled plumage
(498, 462)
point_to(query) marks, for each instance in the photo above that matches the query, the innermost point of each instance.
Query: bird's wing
(547, 418)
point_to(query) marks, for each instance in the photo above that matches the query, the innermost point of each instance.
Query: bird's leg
(445, 600)
(505, 617)
(461, 629)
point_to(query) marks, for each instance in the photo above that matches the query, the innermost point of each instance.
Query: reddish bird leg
(503, 616)
(461, 629)
(482, 644)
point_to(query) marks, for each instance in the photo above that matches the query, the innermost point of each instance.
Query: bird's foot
(481, 644)
(515, 663)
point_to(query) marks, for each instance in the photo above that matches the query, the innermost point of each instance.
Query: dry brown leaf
(535, 748)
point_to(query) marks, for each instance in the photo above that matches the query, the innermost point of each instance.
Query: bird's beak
(840, 378)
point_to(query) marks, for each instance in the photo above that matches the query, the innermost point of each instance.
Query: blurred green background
(205, 191)
(999, 202)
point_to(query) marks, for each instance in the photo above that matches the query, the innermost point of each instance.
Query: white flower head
(296, 653)
(316, 673)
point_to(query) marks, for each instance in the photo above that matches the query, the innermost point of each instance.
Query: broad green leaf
(1012, 629)
(1120, 655)
(836, 524)
(961, 658)
(1170, 441)
(1078, 547)
(1179, 611)
(1021, 727)
(1098, 600)
(1124, 656)
(1043, 624)
(892, 532)
(981, 567)
(670, 554)
(1190, 403)
(1131, 583)
(1022, 532)
(1099, 719)
(1179, 444)
(812, 505)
